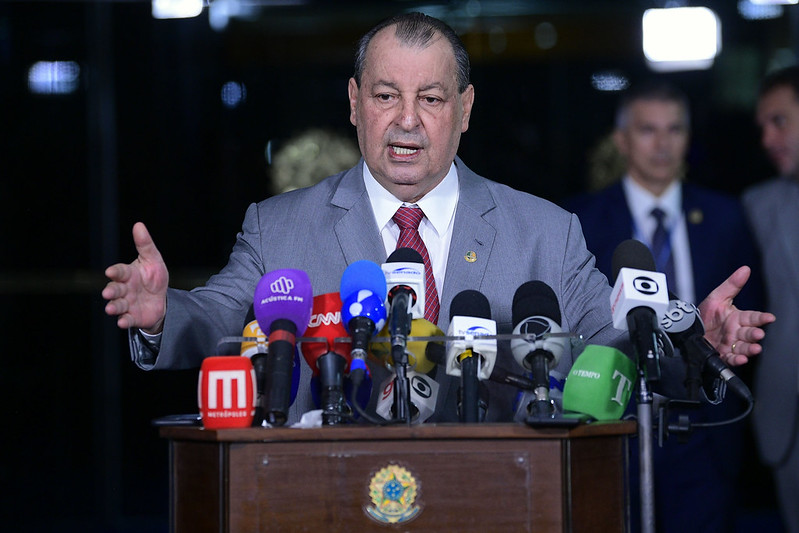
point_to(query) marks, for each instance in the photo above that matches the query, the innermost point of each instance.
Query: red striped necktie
(408, 218)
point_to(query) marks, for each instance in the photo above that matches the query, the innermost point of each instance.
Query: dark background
(146, 137)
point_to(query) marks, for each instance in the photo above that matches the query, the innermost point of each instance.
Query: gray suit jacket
(515, 237)
(773, 210)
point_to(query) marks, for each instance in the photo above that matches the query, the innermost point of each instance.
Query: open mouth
(403, 150)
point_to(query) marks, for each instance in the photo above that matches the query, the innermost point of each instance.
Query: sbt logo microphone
(227, 392)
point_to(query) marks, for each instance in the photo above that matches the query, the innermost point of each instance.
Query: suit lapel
(472, 238)
(356, 230)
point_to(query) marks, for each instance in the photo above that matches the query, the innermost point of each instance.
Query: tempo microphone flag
(599, 383)
(226, 392)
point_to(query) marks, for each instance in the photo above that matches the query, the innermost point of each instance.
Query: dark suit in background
(694, 481)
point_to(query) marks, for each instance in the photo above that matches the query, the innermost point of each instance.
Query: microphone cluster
(377, 318)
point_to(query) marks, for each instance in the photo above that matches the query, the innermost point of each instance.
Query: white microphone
(638, 299)
(468, 356)
(536, 313)
(423, 397)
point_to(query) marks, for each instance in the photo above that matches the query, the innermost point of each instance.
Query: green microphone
(599, 384)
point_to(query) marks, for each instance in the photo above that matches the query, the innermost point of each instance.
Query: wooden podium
(458, 477)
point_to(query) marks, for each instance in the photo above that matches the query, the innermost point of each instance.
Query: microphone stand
(642, 327)
(400, 328)
(470, 383)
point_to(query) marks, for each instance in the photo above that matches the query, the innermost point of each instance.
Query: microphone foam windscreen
(599, 383)
(632, 254)
(283, 294)
(405, 255)
(363, 274)
(535, 298)
(380, 349)
(470, 303)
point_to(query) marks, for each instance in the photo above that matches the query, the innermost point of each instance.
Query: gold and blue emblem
(393, 491)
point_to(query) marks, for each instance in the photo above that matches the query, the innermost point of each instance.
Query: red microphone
(226, 392)
(328, 359)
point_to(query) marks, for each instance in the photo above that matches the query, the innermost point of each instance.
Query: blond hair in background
(309, 157)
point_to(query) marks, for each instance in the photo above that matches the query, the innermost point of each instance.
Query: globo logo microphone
(424, 394)
(226, 392)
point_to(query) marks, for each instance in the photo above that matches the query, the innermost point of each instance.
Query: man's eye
(431, 100)
(384, 97)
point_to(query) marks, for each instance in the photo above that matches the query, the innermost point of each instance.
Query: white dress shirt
(641, 202)
(435, 229)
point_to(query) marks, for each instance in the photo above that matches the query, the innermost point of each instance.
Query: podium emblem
(393, 491)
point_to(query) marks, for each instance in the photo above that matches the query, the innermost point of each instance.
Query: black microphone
(473, 309)
(536, 312)
(686, 330)
(638, 298)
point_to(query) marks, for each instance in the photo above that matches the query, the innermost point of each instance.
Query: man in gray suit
(773, 209)
(410, 101)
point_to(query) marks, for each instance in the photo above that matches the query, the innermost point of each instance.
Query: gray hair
(651, 90)
(417, 29)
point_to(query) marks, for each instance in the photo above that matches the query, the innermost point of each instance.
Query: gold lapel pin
(470, 257)
(695, 216)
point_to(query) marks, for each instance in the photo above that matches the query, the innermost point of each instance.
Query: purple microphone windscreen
(283, 294)
(405, 255)
(632, 254)
(470, 303)
(535, 298)
(363, 274)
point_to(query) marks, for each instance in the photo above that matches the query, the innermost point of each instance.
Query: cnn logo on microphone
(226, 392)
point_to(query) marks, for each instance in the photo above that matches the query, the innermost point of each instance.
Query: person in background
(773, 211)
(696, 236)
(306, 158)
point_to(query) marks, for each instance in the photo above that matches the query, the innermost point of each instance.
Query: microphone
(470, 358)
(417, 351)
(638, 298)
(422, 392)
(257, 351)
(404, 271)
(282, 304)
(600, 383)
(686, 330)
(363, 292)
(437, 353)
(423, 397)
(536, 312)
(226, 392)
(328, 359)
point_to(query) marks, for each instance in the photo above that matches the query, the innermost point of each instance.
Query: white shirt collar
(438, 205)
(641, 201)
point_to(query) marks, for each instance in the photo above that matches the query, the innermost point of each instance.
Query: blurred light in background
(221, 11)
(752, 10)
(176, 9)
(775, 2)
(681, 38)
(54, 77)
(233, 94)
(609, 81)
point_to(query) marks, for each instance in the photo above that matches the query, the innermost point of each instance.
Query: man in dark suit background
(696, 236)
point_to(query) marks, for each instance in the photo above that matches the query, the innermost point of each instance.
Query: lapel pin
(470, 257)
(695, 216)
